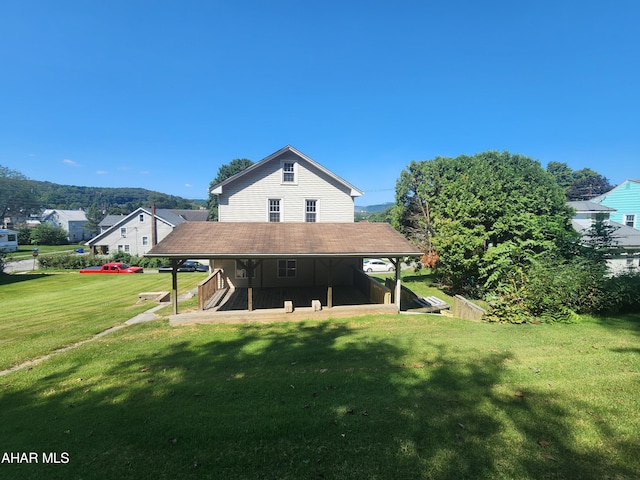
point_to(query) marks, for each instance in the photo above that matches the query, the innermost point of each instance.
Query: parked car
(114, 267)
(187, 266)
(377, 265)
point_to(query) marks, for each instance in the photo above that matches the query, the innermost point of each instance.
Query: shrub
(48, 234)
(67, 261)
(72, 261)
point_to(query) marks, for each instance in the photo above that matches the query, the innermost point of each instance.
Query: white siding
(136, 230)
(246, 200)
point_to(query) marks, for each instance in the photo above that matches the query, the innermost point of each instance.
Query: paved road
(20, 266)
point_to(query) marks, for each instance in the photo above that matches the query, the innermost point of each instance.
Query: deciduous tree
(470, 210)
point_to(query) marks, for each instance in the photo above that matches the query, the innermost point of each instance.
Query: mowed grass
(43, 312)
(378, 397)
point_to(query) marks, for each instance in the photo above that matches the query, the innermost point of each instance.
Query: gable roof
(170, 217)
(68, 215)
(217, 189)
(600, 198)
(110, 220)
(278, 240)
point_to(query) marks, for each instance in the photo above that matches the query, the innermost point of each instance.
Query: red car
(115, 267)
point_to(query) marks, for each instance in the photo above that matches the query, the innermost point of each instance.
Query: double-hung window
(274, 210)
(288, 172)
(310, 210)
(630, 220)
(123, 232)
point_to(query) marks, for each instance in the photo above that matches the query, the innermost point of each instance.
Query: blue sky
(160, 94)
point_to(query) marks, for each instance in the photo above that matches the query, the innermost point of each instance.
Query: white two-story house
(286, 222)
(137, 232)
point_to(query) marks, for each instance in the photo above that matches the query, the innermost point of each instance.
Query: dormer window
(288, 172)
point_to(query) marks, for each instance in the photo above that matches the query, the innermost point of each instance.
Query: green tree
(224, 172)
(562, 173)
(49, 234)
(581, 184)
(483, 216)
(94, 217)
(18, 197)
(587, 184)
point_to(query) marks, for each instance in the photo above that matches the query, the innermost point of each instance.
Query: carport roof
(277, 240)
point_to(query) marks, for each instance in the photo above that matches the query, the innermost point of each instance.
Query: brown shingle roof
(261, 240)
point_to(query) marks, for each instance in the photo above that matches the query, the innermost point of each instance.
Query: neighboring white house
(136, 233)
(73, 221)
(8, 240)
(625, 237)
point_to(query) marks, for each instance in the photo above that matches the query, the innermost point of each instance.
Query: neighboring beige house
(136, 233)
(73, 221)
(286, 223)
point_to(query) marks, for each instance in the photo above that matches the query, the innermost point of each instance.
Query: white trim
(294, 172)
(317, 209)
(280, 209)
(634, 221)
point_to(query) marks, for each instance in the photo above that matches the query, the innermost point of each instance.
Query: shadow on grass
(8, 279)
(292, 401)
(622, 323)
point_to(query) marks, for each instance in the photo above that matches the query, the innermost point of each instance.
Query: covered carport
(325, 252)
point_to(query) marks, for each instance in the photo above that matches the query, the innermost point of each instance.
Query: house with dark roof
(287, 223)
(137, 232)
(626, 239)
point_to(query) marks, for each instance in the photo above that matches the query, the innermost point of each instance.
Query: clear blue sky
(159, 94)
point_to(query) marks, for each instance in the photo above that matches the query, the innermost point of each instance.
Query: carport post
(250, 285)
(398, 265)
(174, 285)
(330, 285)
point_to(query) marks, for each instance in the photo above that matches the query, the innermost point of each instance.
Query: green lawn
(44, 312)
(379, 397)
(26, 251)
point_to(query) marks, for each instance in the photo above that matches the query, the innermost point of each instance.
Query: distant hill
(114, 200)
(373, 208)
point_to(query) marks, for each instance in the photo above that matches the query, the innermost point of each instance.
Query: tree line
(20, 196)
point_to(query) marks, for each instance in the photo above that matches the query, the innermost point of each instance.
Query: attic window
(288, 172)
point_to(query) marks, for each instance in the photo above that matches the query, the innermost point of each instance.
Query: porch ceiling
(265, 240)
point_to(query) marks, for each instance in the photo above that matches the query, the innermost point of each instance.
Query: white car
(377, 265)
